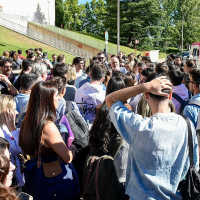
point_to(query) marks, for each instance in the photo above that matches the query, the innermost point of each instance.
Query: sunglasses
(7, 66)
(100, 58)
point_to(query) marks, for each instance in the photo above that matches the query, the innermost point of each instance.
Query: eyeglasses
(100, 58)
(7, 66)
(189, 81)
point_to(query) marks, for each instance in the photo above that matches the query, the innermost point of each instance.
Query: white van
(194, 52)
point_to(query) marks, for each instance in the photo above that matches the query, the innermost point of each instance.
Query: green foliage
(59, 13)
(93, 17)
(152, 22)
(72, 14)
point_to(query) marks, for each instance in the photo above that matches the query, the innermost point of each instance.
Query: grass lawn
(10, 40)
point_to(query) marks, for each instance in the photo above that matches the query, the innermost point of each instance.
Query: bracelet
(113, 98)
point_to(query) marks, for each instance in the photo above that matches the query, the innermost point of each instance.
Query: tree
(72, 14)
(59, 13)
(93, 17)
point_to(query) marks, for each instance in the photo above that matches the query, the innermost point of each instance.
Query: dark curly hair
(103, 131)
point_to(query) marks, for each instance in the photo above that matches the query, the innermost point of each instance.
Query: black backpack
(182, 101)
(79, 129)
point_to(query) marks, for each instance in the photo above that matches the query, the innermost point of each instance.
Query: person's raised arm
(12, 90)
(52, 137)
(155, 87)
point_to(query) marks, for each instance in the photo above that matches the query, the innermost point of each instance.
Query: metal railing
(80, 38)
(46, 39)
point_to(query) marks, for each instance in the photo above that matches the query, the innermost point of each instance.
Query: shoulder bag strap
(97, 178)
(190, 143)
(88, 176)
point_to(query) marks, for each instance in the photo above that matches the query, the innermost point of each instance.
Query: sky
(83, 1)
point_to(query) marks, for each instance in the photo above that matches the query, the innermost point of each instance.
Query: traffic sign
(136, 41)
(106, 36)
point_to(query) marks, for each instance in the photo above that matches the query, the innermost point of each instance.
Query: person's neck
(95, 82)
(25, 91)
(196, 92)
(78, 70)
(160, 107)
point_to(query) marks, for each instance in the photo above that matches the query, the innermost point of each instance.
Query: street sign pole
(136, 42)
(106, 40)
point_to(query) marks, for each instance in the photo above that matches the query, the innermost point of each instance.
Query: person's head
(27, 81)
(54, 57)
(101, 56)
(40, 55)
(194, 81)
(188, 66)
(60, 69)
(115, 64)
(120, 54)
(107, 76)
(45, 55)
(146, 59)
(103, 130)
(176, 77)
(6, 102)
(15, 56)
(154, 100)
(79, 63)
(5, 54)
(6, 66)
(19, 51)
(178, 61)
(161, 68)
(27, 66)
(30, 51)
(114, 84)
(41, 109)
(141, 66)
(31, 56)
(72, 72)
(128, 80)
(98, 72)
(172, 57)
(6, 166)
(61, 58)
(145, 74)
(131, 57)
(128, 66)
(61, 84)
(40, 69)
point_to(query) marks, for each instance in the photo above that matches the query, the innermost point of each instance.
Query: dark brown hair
(4, 168)
(40, 110)
(6, 193)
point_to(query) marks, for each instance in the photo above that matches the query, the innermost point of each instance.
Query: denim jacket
(192, 111)
(158, 155)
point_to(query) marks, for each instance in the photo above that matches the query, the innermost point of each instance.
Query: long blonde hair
(72, 72)
(6, 102)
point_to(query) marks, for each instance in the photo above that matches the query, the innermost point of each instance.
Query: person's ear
(170, 95)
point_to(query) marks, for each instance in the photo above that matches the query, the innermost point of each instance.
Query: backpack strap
(97, 178)
(190, 143)
(68, 106)
(177, 97)
(88, 177)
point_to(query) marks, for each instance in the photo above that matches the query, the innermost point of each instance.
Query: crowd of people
(132, 109)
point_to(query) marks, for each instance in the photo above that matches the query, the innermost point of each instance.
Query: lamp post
(75, 20)
(183, 15)
(118, 25)
(48, 13)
